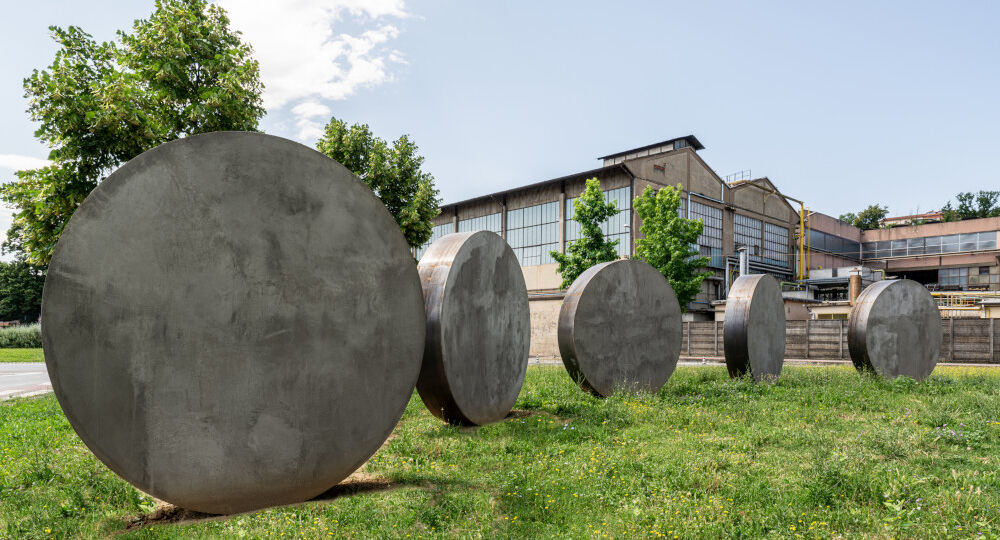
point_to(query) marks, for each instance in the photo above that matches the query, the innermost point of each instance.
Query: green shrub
(21, 337)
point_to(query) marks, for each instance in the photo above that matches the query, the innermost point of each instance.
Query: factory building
(537, 218)
(959, 262)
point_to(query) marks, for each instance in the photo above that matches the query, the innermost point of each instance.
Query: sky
(840, 104)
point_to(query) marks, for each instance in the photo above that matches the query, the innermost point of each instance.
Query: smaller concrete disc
(895, 329)
(620, 328)
(754, 330)
(478, 328)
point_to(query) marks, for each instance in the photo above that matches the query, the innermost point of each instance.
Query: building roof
(691, 140)
(588, 174)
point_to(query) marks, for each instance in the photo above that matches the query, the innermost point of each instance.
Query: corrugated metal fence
(965, 340)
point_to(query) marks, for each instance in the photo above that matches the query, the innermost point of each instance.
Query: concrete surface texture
(620, 328)
(21, 379)
(478, 328)
(754, 328)
(233, 321)
(894, 329)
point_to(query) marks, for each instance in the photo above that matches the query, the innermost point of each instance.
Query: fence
(964, 340)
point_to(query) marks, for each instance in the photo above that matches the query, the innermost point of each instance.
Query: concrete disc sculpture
(895, 329)
(478, 328)
(620, 328)
(232, 321)
(754, 329)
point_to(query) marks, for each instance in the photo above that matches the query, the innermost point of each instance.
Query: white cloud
(303, 60)
(19, 163)
(309, 118)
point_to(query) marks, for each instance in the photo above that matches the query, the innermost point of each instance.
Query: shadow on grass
(357, 484)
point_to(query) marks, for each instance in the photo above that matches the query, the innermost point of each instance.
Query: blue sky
(840, 104)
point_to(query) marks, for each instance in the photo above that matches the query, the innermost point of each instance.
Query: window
(930, 245)
(437, 232)
(533, 232)
(953, 278)
(984, 270)
(988, 240)
(710, 241)
(949, 244)
(615, 228)
(747, 232)
(482, 223)
(775, 245)
(822, 241)
(968, 242)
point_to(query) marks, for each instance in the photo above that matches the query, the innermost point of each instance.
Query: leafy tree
(869, 218)
(181, 72)
(982, 204)
(849, 218)
(20, 291)
(668, 242)
(392, 172)
(590, 210)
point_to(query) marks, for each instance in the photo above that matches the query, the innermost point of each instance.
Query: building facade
(537, 218)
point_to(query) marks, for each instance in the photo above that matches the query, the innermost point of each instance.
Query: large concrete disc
(232, 321)
(895, 329)
(478, 328)
(754, 330)
(620, 328)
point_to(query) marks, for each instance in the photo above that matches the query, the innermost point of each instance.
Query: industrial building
(959, 262)
(537, 218)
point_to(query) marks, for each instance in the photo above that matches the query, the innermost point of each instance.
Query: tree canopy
(869, 218)
(668, 241)
(182, 71)
(590, 210)
(393, 172)
(982, 204)
(20, 291)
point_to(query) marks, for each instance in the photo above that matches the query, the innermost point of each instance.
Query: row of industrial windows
(980, 277)
(533, 232)
(766, 242)
(775, 245)
(833, 244)
(746, 232)
(710, 241)
(930, 245)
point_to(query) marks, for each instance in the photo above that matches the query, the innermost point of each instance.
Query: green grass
(21, 355)
(823, 453)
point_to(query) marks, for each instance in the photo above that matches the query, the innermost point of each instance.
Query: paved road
(18, 379)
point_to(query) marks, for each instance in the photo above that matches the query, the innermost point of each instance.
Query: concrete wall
(544, 327)
(541, 277)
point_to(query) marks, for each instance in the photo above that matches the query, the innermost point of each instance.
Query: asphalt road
(18, 379)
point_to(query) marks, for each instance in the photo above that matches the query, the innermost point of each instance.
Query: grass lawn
(21, 355)
(823, 453)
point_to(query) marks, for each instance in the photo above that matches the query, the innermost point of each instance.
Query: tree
(668, 241)
(590, 210)
(982, 204)
(392, 172)
(181, 72)
(869, 218)
(849, 218)
(20, 291)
